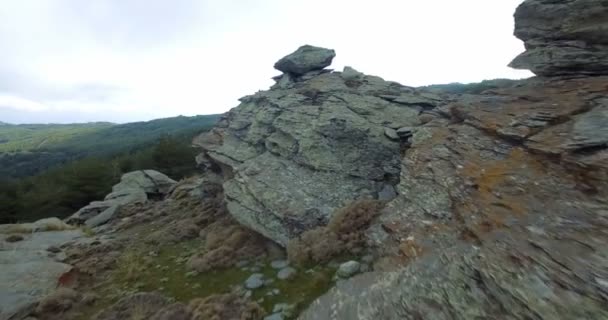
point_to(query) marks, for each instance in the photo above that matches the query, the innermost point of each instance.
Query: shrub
(344, 233)
(225, 306)
(226, 242)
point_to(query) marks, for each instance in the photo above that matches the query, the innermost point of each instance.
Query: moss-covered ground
(163, 269)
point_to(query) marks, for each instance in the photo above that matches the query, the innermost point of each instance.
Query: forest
(89, 175)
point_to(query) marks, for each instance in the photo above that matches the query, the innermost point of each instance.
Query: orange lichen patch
(410, 249)
(391, 227)
(490, 179)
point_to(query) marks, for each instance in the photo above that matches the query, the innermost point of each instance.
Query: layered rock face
(563, 37)
(311, 144)
(502, 210)
(501, 213)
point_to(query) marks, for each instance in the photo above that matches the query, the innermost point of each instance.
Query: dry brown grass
(344, 233)
(225, 307)
(226, 242)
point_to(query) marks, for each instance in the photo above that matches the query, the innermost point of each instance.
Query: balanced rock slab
(307, 58)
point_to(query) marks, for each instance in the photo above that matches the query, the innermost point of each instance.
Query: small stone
(286, 273)
(254, 281)
(255, 269)
(14, 238)
(164, 280)
(279, 264)
(53, 249)
(391, 134)
(279, 307)
(425, 118)
(348, 269)
(276, 292)
(274, 316)
(191, 274)
(196, 286)
(242, 263)
(405, 132)
(350, 74)
(387, 193)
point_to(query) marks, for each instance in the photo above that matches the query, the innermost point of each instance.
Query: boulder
(348, 269)
(563, 37)
(291, 156)
(149, 181)
(305, 59)
(46, 224)
(134, 187)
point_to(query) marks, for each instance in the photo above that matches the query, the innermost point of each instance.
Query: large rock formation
(502, 210)
(311, 144)
(501, 213)
(563, 37)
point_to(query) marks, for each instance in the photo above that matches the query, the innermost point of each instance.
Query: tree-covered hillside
(26, 150)
(79, 163)
(30, 137)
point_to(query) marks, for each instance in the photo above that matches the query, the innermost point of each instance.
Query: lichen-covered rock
(563, 37)
(501, 213)
(150, 181)
(291, 156)
(134, 187)
(307, 58)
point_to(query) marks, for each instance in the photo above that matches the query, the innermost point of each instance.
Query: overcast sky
(130, 60)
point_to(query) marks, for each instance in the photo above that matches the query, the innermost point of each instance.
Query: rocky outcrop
(563, 37)
(501, 213)
(134, 187)
(295, 153)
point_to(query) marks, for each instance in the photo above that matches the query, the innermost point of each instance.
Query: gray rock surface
(279, 264)
(134, 187)
(255, 281)
(286, 273)
(28, 273)
(305, 59)
(348, 269)
(291, 157)
(274, 316)
(102, 217)
(501, 213)
(350, 74)
(149, 181)
(563, 37)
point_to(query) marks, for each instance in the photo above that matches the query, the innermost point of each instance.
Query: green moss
(166, 272)
(300, 291)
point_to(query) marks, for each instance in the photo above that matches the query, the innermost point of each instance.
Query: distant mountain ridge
(27, 149)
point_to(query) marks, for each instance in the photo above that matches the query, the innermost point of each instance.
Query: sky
(65, 61)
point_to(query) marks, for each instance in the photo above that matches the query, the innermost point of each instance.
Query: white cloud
(165, 58)
(18, 103)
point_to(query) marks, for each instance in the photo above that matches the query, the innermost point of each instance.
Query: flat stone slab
(28, 272)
